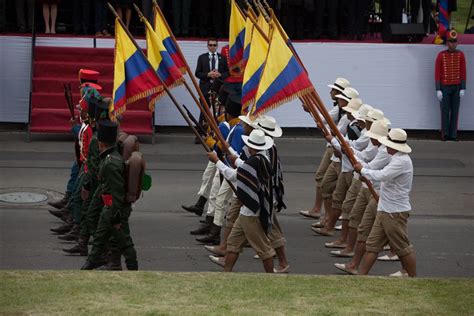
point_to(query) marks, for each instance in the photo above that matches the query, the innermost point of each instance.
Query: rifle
(68, 96)
(193, 119)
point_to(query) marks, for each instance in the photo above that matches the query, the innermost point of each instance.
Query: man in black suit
(211, 69)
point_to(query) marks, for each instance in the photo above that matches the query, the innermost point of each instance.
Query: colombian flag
(134, 79)
(263, 24)
(236, 37)
(162, 31)
(283, 78)
(443, 18)
(249, 27)
(161, 61)
(254, 68)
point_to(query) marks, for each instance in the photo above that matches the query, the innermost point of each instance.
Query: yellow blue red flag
(161, 30)
(236, 37)
(134, 78)
(283, 78)
(249, 27)
(253, 69)
(263, 24)
(161, 62)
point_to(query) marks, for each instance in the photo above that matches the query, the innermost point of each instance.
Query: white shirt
(334, 114)
(397, 179)
(216, 56)
(381, 159)
(342, 127)
(346, 165)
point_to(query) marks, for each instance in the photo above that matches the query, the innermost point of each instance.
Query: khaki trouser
(248, 228)
(276, 235)
(323, 166)
(351, 197)
(342, 186)
(232, 212)
(222, 202)
(367, 221)
(390, 228)
(330, 179)
(358, 209)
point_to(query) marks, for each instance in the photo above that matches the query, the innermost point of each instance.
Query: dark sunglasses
(212, 45)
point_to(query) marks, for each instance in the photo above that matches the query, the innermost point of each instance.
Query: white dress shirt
(396, 182)
(216, 56)
(342, 127)
(334, 114)
(381, 159)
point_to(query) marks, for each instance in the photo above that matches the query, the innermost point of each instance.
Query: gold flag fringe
(287, 99)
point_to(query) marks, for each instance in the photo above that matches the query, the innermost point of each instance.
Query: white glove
(461, 93)
(439, 94)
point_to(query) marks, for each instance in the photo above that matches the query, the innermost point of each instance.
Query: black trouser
(20, 14)
(321, 6)
(3, 15)
(357, 16)
(81, 16)
(391, 13)
(415, 8)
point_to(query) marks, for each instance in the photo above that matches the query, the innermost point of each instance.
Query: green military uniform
(115, 211)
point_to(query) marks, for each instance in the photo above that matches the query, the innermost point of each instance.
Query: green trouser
(76, 204)
(124, 242)
(85, 209)
(91, 216)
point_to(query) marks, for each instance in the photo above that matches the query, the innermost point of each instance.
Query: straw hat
(396, 139)
(353, 105)
(348, 94)
(378, 130)
(247, 119)
(340, 84)
(268, 125)
(376, 115)
(362, 113)
(257, 140)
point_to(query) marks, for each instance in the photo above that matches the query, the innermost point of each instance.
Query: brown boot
(63, 212)
(61, 203)
(214, 237)
(81, 247)
(73, 235)
(205, 228)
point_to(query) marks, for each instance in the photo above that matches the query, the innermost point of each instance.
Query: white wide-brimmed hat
(378, 130)
(340, 84)
(377, 115)
(257, 140)
(353, 105)
(247, 120)
(396, 139)
(268, 125)
(363, 110)
(348, 94)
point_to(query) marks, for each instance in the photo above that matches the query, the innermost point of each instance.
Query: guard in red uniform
(450, 76)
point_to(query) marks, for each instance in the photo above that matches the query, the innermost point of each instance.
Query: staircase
(54, 66)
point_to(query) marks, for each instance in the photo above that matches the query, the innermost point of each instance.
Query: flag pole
(205, 110)
(164, 87)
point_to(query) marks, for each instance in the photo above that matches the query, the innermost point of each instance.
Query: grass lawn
(89, 293)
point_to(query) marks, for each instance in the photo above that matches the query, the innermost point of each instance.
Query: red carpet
(55, 66)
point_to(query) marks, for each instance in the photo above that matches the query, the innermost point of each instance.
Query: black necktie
(213, 62)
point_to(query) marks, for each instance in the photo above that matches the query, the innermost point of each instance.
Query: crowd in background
(302, 19)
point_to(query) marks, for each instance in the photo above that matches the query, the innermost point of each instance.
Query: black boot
(63, 229)
(214, 237)
(114, 261)
(81, 247)
(63, 212)
(61, 203)
(205, 228)
(73, 235)
(197, 208)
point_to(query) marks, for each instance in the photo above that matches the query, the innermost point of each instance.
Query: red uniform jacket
(85, 136)
(450, 69)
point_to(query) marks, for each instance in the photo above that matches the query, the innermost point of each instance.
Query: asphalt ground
(441, 225)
